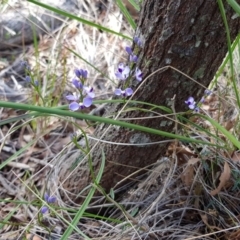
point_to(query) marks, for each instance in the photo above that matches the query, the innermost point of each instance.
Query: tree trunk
(188, 35)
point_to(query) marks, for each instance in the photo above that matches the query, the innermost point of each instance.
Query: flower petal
(72, 98)
(196, 109)
(88, 91)
(77, 83)
(78, 72)
(119, 75)
(190, 100)
(44, 209)
(133, 58)
(87, 101)
(138, 41)
(74, 106)
(118, 92)
(128, 50)
(52, 199)
(126, 72)
(128, 91)
(28, 79)
(191, 106)
(91, 94)
(46, 196)
(120, 67)
(138, 74)
(207, 92)
(84, 73)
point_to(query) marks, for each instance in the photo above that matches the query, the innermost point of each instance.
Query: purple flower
(72, 97)
(138, 74)
(191, 103)
(77, 84)
(78, 73)
(207, 92)
(196, 109)
(48, 199)
(137, 41)
(44, 209)
(25, 65)
(123, 72)
(74, 106)
(124, 93)
(133, 58)
(88, 91)
(28, 79)
(87, 102)
(84, 73)
(81, 73)
(121, 67)
(129, 50)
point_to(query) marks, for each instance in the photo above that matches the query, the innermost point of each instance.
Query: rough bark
(188, 35)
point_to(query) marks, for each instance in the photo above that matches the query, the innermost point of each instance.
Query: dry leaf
(193, 161)
(225, 176)
(33, 237)
(233, 236)
(236, 157)
(229, 124)
(204, 219)
(180, 149)
(188, 173)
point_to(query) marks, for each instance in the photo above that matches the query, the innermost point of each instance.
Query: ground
(180, 197)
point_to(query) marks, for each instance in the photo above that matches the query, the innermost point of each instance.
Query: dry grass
(24, 179)
(174, 200)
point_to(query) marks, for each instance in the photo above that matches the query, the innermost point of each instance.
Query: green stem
(59, 112)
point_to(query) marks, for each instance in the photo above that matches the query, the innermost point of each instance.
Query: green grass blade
(226, 60)
(8, 216)
(200, 129)
(59, 112)
(16, 154)
(229, 44)
(65, 107)
(71, 16)
(135, 5)
(126, 14)
(234, 5)
(86, 202)
(224, 131)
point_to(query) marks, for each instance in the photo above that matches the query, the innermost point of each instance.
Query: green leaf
(112, 195)
(71, 16)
